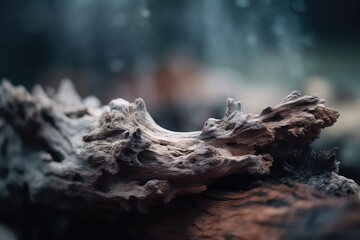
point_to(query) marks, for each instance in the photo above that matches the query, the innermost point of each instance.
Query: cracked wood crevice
(60, 144)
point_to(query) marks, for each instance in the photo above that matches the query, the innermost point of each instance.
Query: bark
(58, 147)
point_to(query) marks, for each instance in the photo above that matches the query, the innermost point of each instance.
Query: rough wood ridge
(58, 145)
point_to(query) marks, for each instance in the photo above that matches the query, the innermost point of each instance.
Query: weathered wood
(264, 212)
(60, 146)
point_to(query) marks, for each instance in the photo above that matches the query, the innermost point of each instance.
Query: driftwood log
(245, 176)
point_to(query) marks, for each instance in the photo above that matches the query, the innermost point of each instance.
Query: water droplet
(145, 13)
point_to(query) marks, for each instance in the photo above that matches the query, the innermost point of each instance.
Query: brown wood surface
(250, 176)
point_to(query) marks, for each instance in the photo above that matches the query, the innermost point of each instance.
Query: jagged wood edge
(117, 153)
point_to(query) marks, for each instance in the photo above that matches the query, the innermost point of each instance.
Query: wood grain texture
(58, 146)
(264, 212)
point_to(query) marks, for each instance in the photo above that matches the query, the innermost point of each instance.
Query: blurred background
(186, 57)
